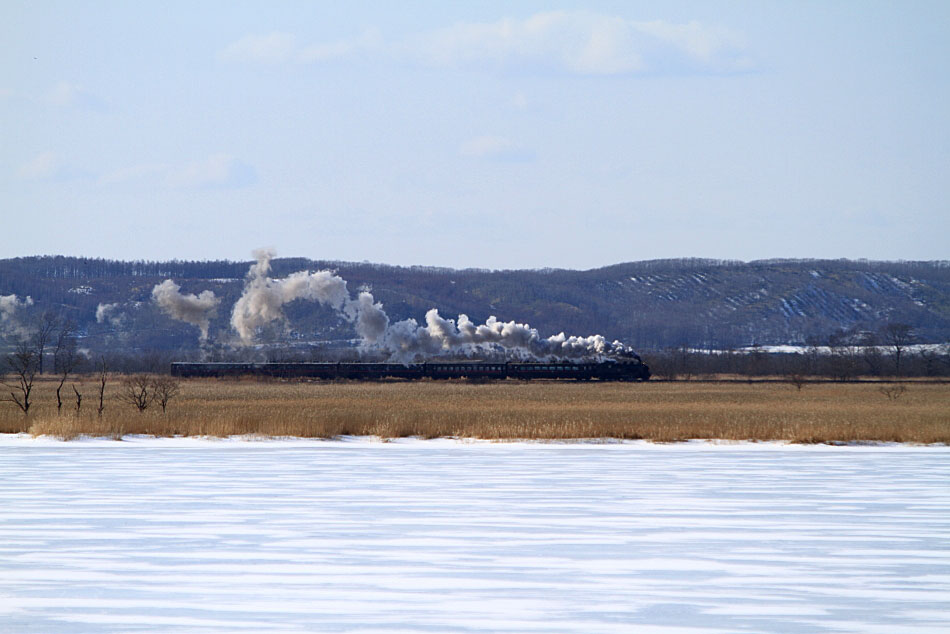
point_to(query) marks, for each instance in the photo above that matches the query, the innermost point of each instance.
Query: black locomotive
(627, 369)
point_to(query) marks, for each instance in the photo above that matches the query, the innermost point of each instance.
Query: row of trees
(58, 335)
(841, 356)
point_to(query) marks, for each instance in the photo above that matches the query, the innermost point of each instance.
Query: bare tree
(65, 341)
(103, 377)
(22, 363)
(44, 332)
(892, 392)
(797, 380)
(843, 357)
(164, 389)
(137, 390)
(78, 399)
(898, 336)
(65, 359)
(871, 354)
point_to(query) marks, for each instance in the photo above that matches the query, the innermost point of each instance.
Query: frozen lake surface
(441, 536)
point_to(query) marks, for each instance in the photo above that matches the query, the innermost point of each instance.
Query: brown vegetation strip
(513, 410)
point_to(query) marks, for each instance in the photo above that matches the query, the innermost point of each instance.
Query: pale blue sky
(489, 134)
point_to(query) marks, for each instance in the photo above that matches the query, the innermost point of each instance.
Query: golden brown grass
(663, 412)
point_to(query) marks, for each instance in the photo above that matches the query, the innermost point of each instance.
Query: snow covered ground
(192, 535)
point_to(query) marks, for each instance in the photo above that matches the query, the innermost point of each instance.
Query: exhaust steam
(196, 310)
(407, 340)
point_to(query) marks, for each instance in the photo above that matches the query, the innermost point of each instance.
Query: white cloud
(580, 42)
(282, 47)
(133, 173)
(68, 95)
(270, 48)
(368, 40)
(219, 171)
(495, 148)
(43, 165)
(577, 42)
(50, 166)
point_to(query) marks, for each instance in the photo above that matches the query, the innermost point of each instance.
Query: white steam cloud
(263, 299)
(9, 305)
(407, 340)
(108, 313)
(196, 310)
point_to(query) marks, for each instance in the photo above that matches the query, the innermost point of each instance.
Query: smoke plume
(407, 340)
(196, 310)
(404, 341)
(9, 305)
(109, 313)
(264, 297)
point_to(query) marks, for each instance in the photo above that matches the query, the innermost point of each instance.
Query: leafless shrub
(23, 363)
(164, 389)
(797, 380)
(137, 391)
(892, 392)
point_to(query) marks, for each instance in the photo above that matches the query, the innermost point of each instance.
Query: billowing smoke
(109, 313)
(407, 340)
(264, 297)
(196, 310)
(372, 322)
(9, 305)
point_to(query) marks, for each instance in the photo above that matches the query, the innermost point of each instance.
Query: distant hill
(650, 305)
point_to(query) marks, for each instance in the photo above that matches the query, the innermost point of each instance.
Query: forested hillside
(650, 305)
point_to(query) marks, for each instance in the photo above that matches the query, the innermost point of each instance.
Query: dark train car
(473, 370)
(606, 371)
(625, 370)
(281, 370)
(378, 371)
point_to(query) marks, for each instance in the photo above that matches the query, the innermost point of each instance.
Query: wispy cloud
(134, 173)
(520, 101)
(495, 148)
(574, 42)
(279, 47)
(368, 40)
(218, 171)
(584, 43)
(68, 95)
(50, 167)
(60, 95)
(269, 48)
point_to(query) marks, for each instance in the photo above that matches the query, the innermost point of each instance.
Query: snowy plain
(356, 535)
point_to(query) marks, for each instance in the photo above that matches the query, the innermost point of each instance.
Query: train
(627, 369)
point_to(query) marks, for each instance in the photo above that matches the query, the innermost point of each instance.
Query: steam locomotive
(626, 369)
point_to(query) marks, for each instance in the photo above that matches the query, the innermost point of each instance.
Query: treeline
(68, 267)
(650, 305)
(839, 364)
(58, 267)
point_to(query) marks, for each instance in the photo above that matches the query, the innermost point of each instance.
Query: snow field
(441, 536)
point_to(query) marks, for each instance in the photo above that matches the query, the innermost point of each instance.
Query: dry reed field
(508, 410)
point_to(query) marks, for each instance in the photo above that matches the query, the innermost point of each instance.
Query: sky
(488, 134)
